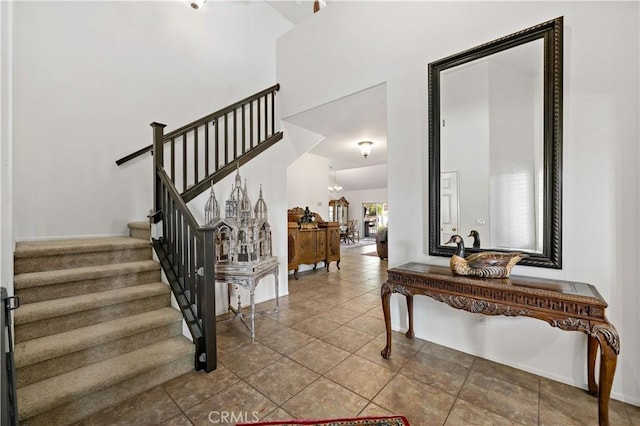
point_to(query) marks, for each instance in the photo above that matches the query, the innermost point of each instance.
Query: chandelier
(335, 187)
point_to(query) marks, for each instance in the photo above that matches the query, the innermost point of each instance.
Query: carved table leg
(592, 351)
(609, 341)
(338, 264)
(295, 273)
(410, 333)
(385, 293)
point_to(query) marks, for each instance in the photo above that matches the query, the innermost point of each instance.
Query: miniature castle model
(244, 234)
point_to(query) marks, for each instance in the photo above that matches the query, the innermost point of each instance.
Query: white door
(449, 207)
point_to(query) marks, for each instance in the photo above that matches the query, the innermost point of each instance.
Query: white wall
(307, 183)
(6, 213)
(367, 43)
(89, 77)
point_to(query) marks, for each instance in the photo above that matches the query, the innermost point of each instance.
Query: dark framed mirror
(495, 147)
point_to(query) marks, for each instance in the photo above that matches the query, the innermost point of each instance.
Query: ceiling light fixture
(335, 187)
(197, 4)
(365, 148)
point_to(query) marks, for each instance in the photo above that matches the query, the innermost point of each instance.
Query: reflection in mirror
(491, 145)
(495, 146)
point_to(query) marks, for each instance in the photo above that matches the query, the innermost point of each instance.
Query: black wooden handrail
(201, 121)
(133, 155)
(201, 152)
(186, 253)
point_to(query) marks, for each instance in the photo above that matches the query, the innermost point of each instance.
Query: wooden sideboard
(567, 305)
(310, 246)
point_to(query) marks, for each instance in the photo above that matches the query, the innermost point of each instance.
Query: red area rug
(364, 421)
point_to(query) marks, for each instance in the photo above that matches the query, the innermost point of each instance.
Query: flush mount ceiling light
(365, 148)
(197, 4)
(335, 187)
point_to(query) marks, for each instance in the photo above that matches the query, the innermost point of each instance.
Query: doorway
(374, 217)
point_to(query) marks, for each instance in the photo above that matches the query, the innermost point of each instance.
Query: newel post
(158, 162)
(207, 297)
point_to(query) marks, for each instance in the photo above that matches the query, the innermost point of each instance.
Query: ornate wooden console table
(567, 305)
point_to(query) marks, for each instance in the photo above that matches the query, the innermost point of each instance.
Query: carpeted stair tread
(49, 347)
(139, 225)
(141, 230)
(68, 305)
(43, 278)
(26, 249)
(48, 394)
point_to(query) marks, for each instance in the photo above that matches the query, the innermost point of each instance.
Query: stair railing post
(158, 161)
(207, 297)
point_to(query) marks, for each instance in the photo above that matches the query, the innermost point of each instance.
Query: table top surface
(538, 286)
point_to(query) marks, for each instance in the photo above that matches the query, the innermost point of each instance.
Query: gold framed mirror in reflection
(495, 146)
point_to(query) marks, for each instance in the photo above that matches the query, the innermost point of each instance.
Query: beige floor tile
(315, 326)
(277, 414)
(282, 380)
(151, 407)
(265, 325)
(310, 307)
(419, 403)
(368, 324)
(286, 340)
(375, 313)
(448, 354)
(347, 338)
(361, 376)
(464, 413)
(634, 414)
(230, 335)
(400, 354)
(319, 356)
(436, 372)
(504, 398)
(508, 374)
(339, 315)
(551, 414)
(179, 420)
(290, 317)
(239, 403)
(575, 405)
(196, 386)
(248, 359)
(325, 399)
(356, 306)
(373, 410)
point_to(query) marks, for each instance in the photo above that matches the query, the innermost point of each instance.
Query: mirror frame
(551, 33)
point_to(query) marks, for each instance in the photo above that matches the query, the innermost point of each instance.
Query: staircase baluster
(206, 149)
(235, 135)
(195, 155)
(258, 121)
(244, 130)
(250, 124)
(273, 113)
(266, 118)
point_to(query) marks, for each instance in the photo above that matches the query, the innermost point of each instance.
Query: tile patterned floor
(320, 358)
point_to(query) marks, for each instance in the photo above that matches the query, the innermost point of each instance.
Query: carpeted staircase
(95, 326)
